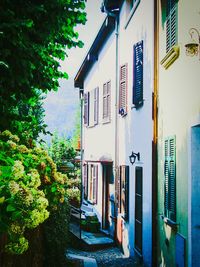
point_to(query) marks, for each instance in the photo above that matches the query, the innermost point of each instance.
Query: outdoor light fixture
(133, 157)
(193, 47)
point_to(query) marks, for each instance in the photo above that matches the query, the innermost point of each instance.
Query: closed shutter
(86, 108)
(85, 181)
(96, 105)
(138, 74)
(171, 24)
(107, 101)
(170, 178)
(123, 90)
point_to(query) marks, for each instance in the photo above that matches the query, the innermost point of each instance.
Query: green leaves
(33, 40)
(10, 208)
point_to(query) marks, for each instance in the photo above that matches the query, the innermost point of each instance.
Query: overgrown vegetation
(30, 188)
(34, 36)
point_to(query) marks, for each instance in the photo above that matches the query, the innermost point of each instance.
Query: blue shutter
(138, 74)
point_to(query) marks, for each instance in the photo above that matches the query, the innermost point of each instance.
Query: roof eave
(106, 29)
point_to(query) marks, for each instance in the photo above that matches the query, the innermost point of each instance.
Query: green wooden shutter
(138, 74)
(171, 24)
(170, 178)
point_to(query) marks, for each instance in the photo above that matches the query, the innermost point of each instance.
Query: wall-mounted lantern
(133, 157)
(193, 47)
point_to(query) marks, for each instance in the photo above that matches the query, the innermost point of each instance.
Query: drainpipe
(155, 138)
(81, 159)
(115, 13)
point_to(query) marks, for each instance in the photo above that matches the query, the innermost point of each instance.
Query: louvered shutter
(171, 24)
(107, 101)
(170, 179)
(138, 74)
(105, 106)
(86, 108)
(96, 105)
(123, 90)
(85, 181)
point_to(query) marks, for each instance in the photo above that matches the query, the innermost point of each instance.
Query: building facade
(117, 81)
(178, 133)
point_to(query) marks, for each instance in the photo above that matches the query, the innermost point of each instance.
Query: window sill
(132, 13)
(169, 222)
(139, 105)
(170, 57)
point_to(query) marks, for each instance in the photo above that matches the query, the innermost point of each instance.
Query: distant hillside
(61, 108)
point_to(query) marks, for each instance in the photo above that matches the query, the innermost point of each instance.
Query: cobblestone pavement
(111, 257)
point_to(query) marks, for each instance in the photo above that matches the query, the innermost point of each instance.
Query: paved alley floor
(111, 257)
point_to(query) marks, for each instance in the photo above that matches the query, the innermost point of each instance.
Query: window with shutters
(171, 24)
(85, 181)
(86, 109)
(138, 74)
(123, 89)
(93, 107)
(124, 191)
(93, 183)
(170, 179)
(107, 102)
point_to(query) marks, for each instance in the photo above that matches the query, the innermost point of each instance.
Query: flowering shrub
(30, 188)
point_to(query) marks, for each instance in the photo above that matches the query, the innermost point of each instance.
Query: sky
(61, 107)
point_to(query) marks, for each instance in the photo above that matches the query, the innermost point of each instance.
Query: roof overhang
(105, 31)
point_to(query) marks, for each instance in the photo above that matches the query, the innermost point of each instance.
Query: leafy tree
(34, 37)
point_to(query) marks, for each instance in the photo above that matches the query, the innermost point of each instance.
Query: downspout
(116, 116)
(115, 14)
(155, 138)
(81, 159)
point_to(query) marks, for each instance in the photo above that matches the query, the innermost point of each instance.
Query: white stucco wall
(136, 128)
(99, 140)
